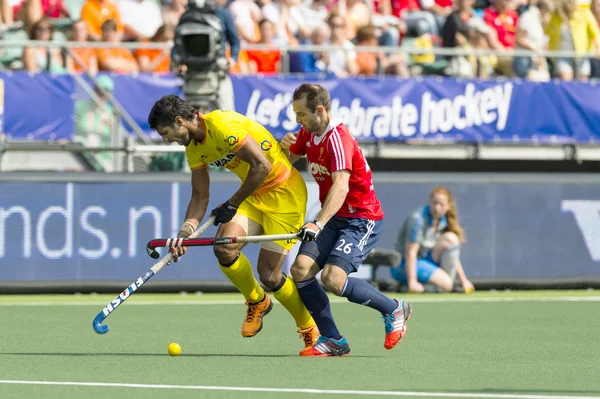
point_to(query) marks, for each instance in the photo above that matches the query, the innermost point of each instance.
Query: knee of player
(333, 281)
(450, 239)
(225, 253)
(447, 285)
(302, 269)
(270, 279)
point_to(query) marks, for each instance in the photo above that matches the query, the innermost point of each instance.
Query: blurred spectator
(287, 20)
(156, 60)
(456, 30)
(573, 28)
(503, 18)
(418, 21)
(478, 37)
(31, 11)
(87, 55)
(531, 36)
(96, 12)
(440, 9)
(342, 61)
(115, 59)
(6, 14)
(595, 63)
(481, 37)
(140, 18)
(314, 14)
(246, 15)
(96, 122)
(313, 62)
(37, 59)
(429, 242)
(265, 61)
(172, 11)
(356, 13)
(373, 63)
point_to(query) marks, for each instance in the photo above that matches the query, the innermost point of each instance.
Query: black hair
(165, 110)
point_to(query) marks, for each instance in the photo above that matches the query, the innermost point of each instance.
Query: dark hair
(315, 95)
(365, 33)
(165, 110)
(35, 28)
(109, 24)
(264, 21)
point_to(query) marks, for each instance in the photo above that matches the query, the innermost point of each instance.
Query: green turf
(521, 347)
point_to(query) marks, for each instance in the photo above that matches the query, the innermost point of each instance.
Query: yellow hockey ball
(174, 349)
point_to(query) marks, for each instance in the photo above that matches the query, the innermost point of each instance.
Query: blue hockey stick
(108, 309)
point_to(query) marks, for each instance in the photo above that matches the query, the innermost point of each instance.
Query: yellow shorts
(279, 211)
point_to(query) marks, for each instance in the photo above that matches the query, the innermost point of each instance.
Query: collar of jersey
(427, 215)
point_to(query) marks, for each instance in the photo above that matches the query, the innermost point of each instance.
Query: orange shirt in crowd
(95, 12)
(85, 54)
(153, 54)
(106, 54)
(266, 60)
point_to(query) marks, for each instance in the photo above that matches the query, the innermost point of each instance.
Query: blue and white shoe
(328, 347)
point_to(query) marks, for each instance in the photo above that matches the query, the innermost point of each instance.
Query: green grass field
(510, 345)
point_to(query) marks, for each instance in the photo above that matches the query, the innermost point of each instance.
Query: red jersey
(337, 150)
(505, 24)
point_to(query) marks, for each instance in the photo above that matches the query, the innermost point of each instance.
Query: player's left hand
(468, 286)
(224, 213)
(308, 232)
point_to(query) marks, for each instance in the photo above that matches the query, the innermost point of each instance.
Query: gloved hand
(224, 213)
(309, 231)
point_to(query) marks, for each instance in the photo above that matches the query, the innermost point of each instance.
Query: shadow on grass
(159, 354)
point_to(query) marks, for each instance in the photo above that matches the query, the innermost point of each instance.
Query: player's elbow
(262, 168)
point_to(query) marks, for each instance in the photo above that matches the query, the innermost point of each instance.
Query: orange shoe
(254, 316)
(310, 336)
(395, 324)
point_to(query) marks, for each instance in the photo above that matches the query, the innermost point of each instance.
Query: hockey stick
(97, 323)
(204, 242)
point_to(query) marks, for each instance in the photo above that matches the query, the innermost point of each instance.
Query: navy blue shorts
(344, 242)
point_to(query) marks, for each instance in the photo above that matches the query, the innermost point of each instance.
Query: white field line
(298, 390)
(335, 300)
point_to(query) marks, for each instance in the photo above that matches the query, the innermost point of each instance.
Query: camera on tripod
(199, 46)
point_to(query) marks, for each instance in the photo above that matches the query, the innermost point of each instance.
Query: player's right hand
(185, 232)
(288, 140)
(177, 252)
(308, 232)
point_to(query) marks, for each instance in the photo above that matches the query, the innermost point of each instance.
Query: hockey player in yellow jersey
(271, 200)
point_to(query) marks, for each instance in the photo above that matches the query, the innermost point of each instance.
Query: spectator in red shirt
(418, 21)
(503, 19)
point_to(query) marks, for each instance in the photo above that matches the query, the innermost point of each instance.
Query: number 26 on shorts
(345, 248)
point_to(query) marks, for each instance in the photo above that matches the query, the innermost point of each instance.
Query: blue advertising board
(98, 231)
(389, 109)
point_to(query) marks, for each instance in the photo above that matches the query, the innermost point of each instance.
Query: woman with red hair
(429, 242)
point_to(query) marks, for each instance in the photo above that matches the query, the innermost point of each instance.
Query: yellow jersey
(226, 133)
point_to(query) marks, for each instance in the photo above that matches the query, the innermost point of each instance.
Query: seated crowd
(411, 25)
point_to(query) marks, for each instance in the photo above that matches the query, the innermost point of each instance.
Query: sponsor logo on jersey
(266, 145)
(232, 140)
(219, 163)
(318, 171)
